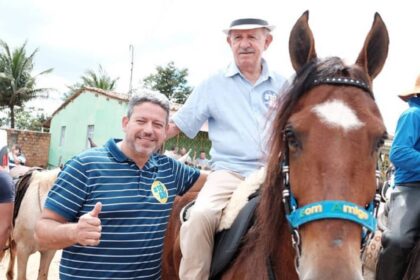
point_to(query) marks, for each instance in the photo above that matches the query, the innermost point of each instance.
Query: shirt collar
(111, 145)
(119, 156)
(233, 70)
(414, 101)
(152, 162)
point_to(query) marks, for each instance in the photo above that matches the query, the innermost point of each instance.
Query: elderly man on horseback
(404, 215)
(235, 102)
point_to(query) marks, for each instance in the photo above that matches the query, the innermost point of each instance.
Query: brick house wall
(35, 145)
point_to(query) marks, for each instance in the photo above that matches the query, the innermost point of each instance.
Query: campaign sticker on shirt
(269, 98)
(159, 191)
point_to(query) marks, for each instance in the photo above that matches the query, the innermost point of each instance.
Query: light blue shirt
(237, 114)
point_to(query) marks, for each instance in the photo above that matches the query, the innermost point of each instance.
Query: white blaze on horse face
(336, 113)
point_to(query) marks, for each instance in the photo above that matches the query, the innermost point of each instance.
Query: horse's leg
(12, 250)
(3, 252)
(44, 264)
(22, 262)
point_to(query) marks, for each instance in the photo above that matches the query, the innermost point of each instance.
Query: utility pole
(130, 87)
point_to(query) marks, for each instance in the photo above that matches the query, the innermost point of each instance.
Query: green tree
(99, 79)
(17, 85)
(24, 119)
(170, 81)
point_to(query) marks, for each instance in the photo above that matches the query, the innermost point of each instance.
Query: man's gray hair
(146, 95)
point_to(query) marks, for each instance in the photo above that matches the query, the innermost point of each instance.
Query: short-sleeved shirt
(7, 188)
(237, 113)
(136, 205)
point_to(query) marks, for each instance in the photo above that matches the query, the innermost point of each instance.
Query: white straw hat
(248, 23)
(415, 92)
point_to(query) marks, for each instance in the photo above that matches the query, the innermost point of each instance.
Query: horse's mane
(270, 213)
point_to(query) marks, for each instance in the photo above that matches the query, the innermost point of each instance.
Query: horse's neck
(275, 239)
(257, 261)
(283, 258)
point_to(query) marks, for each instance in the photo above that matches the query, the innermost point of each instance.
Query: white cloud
(77, 35)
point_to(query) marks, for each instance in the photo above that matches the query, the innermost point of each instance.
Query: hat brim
(410, 93)
(248, 27)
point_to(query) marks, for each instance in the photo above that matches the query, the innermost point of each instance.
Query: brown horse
(324, 148)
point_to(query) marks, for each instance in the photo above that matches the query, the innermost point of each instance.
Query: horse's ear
(375, 50)
(301, 43)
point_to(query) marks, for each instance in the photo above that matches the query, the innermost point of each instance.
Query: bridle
(328, 209)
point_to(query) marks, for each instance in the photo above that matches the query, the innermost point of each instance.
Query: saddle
(228, 241)
(237, 218)
(21, 186)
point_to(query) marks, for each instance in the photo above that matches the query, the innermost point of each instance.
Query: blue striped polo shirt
(136, 205)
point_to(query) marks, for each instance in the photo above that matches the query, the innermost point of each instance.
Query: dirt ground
(32, 270)
(53, 273)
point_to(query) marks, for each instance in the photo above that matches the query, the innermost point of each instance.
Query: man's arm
(6, 210)
(200, 181)
(173, 130)
(52, 231)
(402, 153)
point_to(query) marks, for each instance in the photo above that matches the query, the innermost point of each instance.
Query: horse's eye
(292, 140)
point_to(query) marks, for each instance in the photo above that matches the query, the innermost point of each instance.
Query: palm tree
(92, 79)
(17, 85)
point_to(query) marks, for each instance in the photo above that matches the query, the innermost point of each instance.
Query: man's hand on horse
(89, 227)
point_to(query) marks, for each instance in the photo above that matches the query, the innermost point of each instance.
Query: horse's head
(328, 132)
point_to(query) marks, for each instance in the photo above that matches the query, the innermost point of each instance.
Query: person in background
(173, 152)
(16, 157)
(236, 103)
(202, 162)
(7, 196)
(403, 231)
(109, 206)
(184, 156)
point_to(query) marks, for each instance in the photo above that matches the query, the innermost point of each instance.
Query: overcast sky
(73, 36)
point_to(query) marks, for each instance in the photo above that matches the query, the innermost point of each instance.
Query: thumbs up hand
(89, 227)
(96, 210)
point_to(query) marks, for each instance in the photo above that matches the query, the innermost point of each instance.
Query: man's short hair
(146, 95)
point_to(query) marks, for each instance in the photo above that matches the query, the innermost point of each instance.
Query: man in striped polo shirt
(109, 206)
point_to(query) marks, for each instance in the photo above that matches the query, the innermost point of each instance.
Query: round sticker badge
(159, 191)
(269, 98)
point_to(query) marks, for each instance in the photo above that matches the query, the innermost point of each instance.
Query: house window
(89, 134)
(62, 135)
